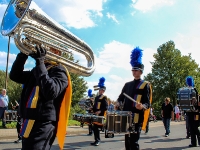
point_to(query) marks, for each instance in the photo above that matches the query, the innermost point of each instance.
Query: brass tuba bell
(29, 26)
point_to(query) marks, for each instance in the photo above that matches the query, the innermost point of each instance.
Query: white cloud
(117, 55)
(115, 77)
(3, 59)
(77, 14)
(112, 17)
(189, 44)
(2, 10)
(12, 57)
(113, 54)
(147, 58)
(147, 5)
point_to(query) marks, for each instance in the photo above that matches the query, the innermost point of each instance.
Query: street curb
(73, 130)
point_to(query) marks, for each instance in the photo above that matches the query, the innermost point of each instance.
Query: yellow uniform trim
(28, 128)
(35, 98)
(138, 99)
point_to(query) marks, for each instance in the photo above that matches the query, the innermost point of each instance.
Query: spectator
(177, 113)
(110, 105)
(3, 106)
(167, 113)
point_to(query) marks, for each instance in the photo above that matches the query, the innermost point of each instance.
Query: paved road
(153, 140)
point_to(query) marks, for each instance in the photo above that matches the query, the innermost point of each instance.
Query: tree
(169, 71)
(79, 87)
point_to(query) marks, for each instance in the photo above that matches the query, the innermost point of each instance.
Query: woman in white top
(177, 111)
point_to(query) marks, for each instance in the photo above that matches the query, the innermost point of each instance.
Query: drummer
(99, 108)
(91, 99)
(138, 90)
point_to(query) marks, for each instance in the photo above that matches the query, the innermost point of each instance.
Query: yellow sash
(64, 113)
(146, 112)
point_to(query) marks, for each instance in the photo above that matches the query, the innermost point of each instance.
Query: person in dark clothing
(138, 90)
(167, 112)
(44, 88)
(187, 125)
(99, 108)
(19, 121)
(91, 103)
(194, 122)
(194, 93)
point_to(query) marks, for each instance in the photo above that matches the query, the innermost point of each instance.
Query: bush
(10, 125)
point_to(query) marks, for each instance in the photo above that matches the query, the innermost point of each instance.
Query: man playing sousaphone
(140, 91)
(45, 89)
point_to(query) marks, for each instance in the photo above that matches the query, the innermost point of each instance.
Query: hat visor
(136, 68)
(102, 89)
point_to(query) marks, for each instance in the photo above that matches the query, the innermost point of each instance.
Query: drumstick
(16, 102)
(132, 99)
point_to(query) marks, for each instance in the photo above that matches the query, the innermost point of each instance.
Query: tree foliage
(79, 87)
(169, 71)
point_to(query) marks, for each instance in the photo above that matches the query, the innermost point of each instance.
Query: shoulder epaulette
(102, 96)
(147, 82)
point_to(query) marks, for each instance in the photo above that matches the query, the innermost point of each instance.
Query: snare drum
(99, 120)
(78, 117)
(110, 121)
(123, 121)
(119, 121)
(87, 119)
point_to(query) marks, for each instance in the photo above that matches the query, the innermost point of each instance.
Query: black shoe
(89, 134)
(166, 135)
(97, 143)
(18, 141)
(191, 145)
(187, 136)
(93, 143)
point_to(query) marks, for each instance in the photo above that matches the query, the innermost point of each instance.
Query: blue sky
(113, 28)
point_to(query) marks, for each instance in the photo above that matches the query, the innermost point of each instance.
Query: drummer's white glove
(139, 106)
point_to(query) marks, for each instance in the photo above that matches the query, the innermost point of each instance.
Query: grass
(73, 123)
(12, 125)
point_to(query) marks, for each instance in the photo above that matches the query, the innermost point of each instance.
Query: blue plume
(90, 93)
(190, 81)
(136, 57)
(101, 82)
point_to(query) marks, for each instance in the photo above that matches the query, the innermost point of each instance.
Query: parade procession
(59, 92)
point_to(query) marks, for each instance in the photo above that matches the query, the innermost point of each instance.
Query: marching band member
(140, 91)
(45, 96)
(91, 98)
(99, 108)
(193, 115)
